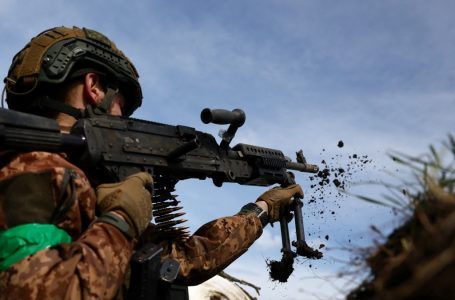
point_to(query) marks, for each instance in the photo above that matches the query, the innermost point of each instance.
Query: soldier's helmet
(60, 54)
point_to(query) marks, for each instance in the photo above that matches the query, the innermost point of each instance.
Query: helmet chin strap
(43, 103)
(106, 103)
(101, 109)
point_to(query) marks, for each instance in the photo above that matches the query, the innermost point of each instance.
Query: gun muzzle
(302, 167)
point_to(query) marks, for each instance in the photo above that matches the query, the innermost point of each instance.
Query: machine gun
(110, 148)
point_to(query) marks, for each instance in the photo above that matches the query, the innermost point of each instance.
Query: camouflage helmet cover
(57, 54)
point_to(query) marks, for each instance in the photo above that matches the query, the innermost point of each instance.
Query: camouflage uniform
(213, 247)
(95, 263)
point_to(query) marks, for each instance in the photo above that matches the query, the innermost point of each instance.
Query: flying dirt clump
(281, 270)
(328, 189)
(337, 171)
(326, 186)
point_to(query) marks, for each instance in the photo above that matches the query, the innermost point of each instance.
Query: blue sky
(379, 75)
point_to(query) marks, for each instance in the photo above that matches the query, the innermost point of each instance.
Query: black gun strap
(67, 196)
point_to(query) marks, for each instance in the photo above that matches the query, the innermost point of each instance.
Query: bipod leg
(302, 247)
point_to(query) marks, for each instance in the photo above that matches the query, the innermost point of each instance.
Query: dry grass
(417, 260)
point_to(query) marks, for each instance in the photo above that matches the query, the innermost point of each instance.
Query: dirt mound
(417, 260)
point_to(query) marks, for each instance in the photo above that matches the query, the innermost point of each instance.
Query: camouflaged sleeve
(213, 247)
(91, 267)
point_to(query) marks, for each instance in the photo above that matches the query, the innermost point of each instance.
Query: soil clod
(281, 270)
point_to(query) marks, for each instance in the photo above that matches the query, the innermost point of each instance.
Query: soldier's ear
(93, 90)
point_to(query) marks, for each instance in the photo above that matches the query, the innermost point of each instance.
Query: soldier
(61, 237)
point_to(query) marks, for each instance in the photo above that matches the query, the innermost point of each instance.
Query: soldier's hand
(278, 199)
(130, 199)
